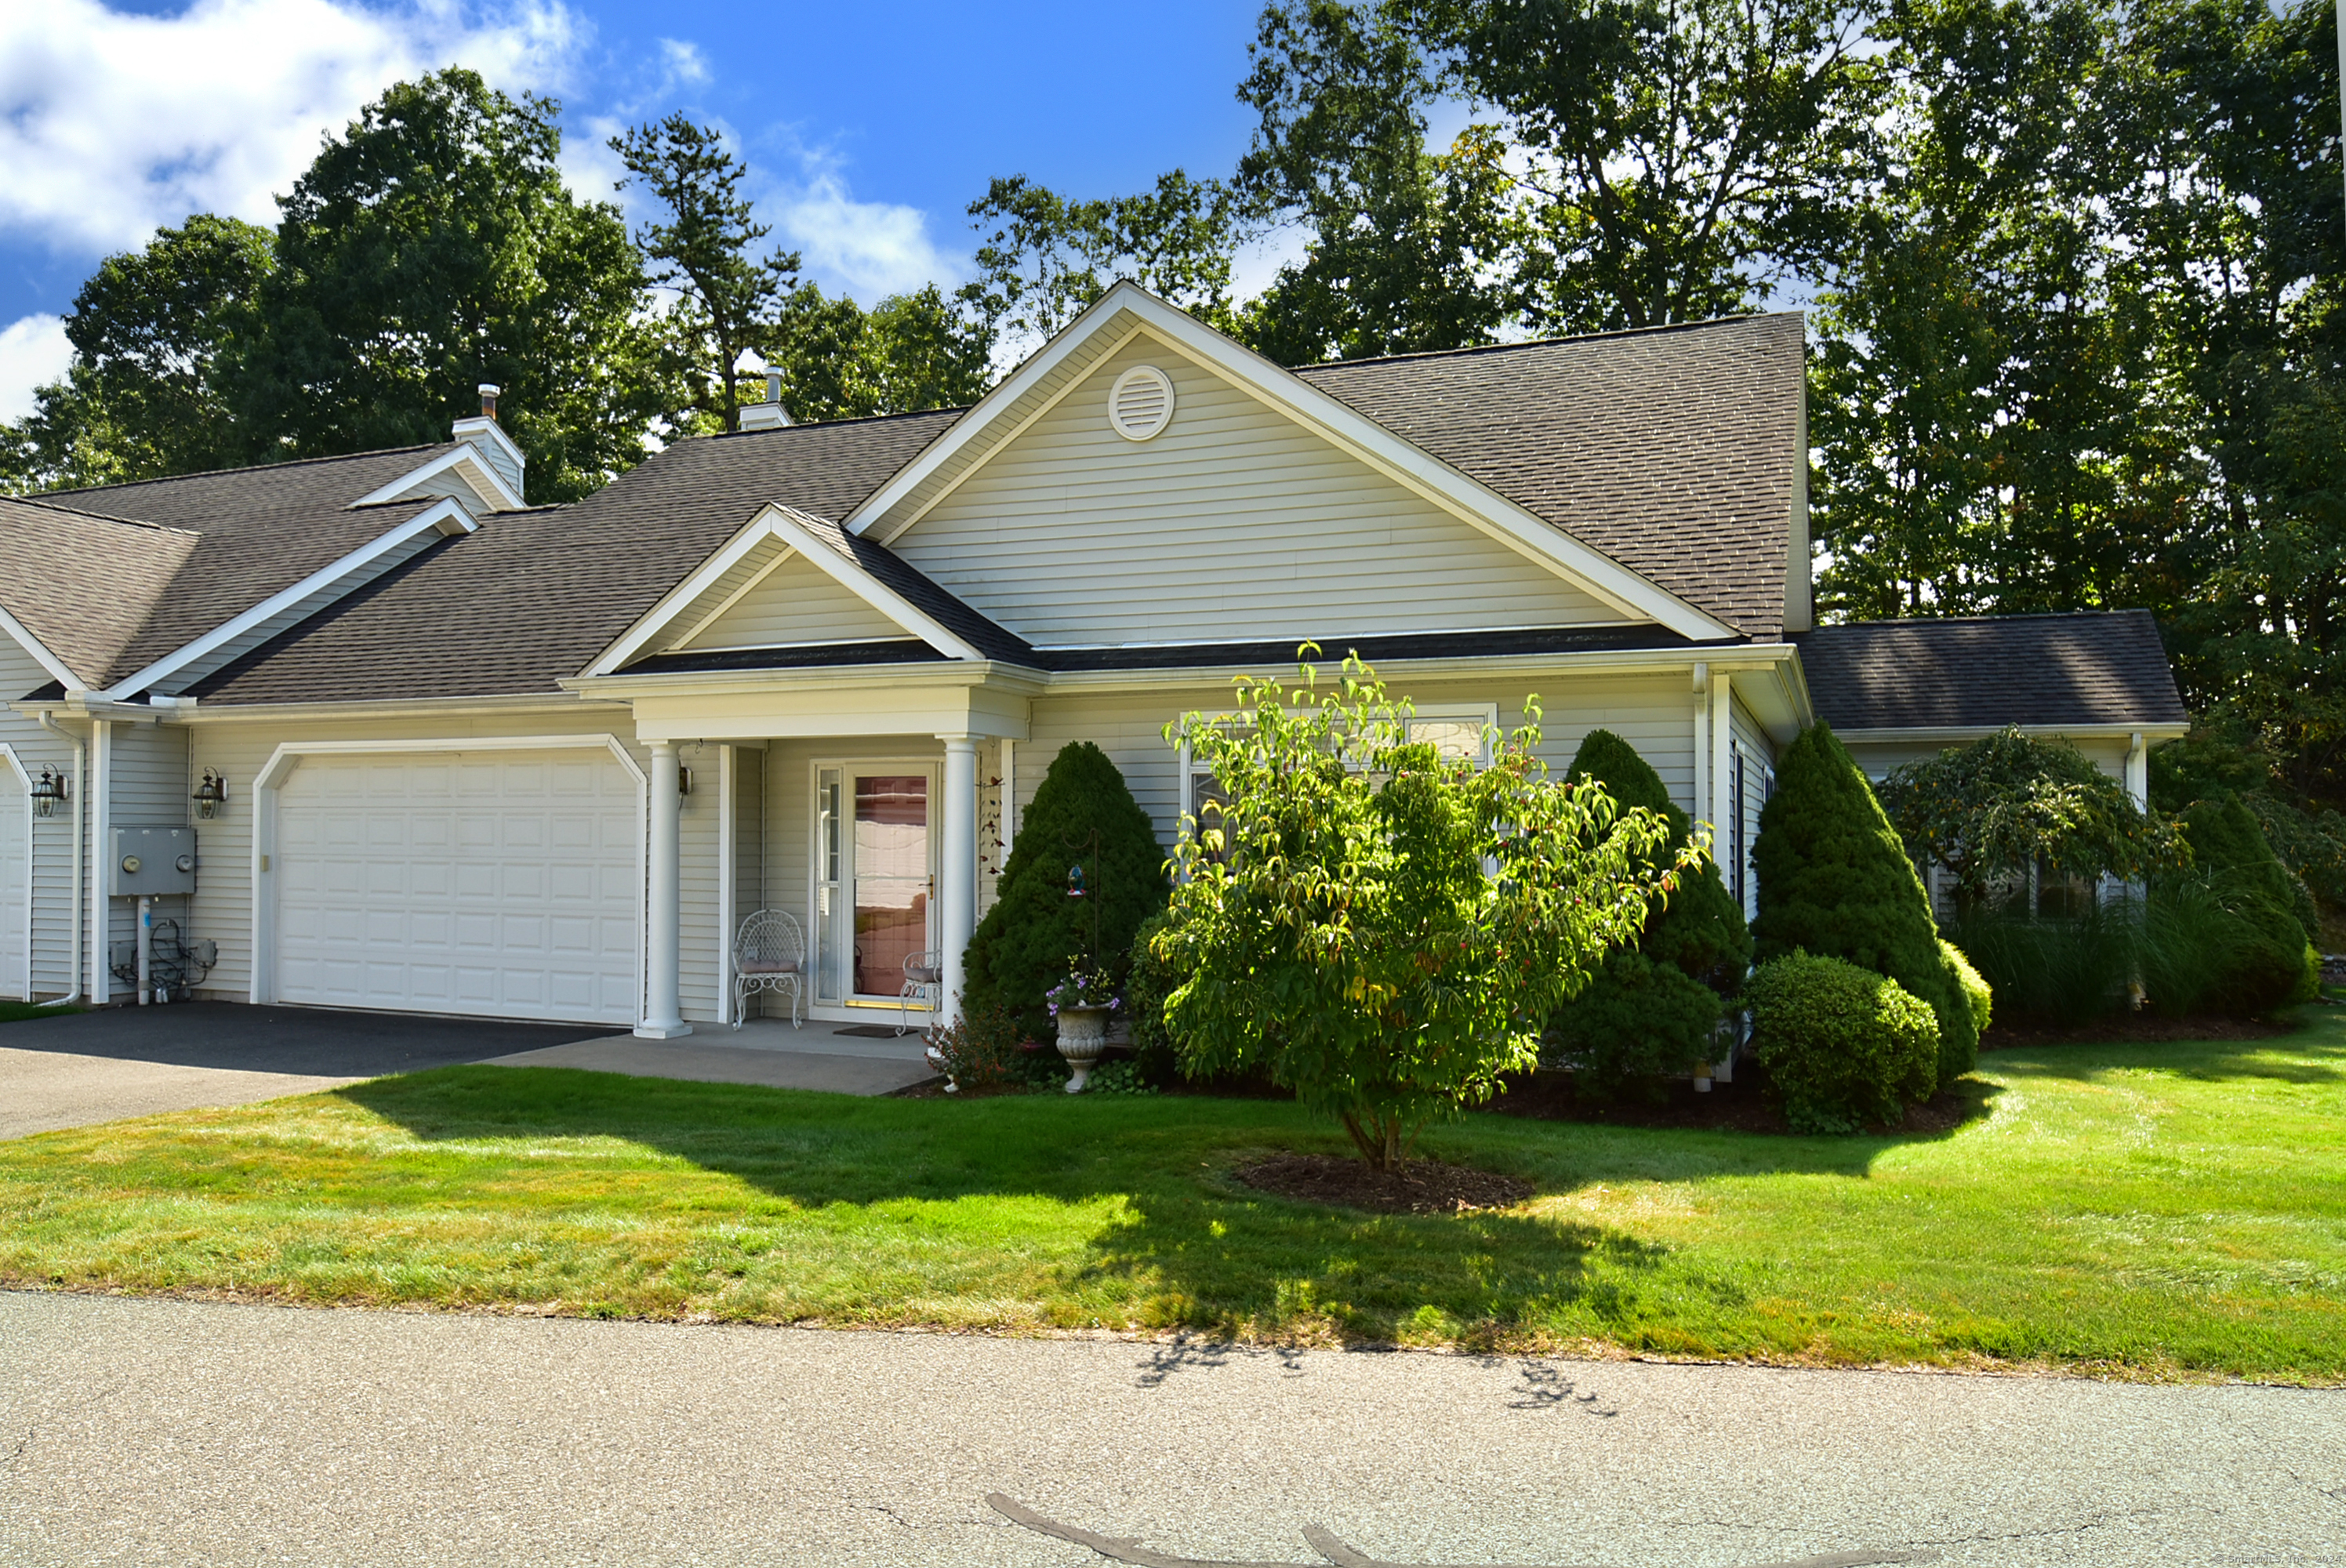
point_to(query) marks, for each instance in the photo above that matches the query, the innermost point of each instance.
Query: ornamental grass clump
(2263, 956)
(1652, 1011)
(1835, 882)
(1379, 929)
(1845, 1046)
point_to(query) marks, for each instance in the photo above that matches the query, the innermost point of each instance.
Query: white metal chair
(924, 983)
(768, 955)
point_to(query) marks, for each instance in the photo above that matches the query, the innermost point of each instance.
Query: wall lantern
(684, 781)
(47, 790)
(210, 795)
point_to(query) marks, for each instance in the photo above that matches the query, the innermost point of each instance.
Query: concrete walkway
(763, 1051)
(81, 1068)
(168, 1432)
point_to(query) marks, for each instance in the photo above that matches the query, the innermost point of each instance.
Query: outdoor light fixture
(210, 795)
(47, 790)
(684, 781)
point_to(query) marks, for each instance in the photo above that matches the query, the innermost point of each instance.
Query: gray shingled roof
(1671, 450)
(535, 596)
(1984, 672)
(213, 545)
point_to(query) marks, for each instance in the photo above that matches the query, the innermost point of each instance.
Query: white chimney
(769, 415)
(496, 448)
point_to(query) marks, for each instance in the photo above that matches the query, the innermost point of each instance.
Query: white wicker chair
(768, 955)
(924, 983)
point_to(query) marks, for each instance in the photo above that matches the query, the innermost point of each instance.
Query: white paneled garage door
(505, 884)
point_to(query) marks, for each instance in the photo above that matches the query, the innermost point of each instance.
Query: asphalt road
(171, 1433)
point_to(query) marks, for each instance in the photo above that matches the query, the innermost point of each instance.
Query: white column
(728, 919)
(1722, 768)
(1700, 802)
(2138, 758)
(957, 866)
(663, 926)
(101, 861)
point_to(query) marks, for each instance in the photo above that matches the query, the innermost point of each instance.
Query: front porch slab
(764, 1052)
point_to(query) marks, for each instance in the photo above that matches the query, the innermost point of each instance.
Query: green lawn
(2165, 1210)
(17, 1011)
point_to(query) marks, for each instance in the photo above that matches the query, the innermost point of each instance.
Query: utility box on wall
(149, 862)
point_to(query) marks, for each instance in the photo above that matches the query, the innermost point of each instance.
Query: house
(460, 754)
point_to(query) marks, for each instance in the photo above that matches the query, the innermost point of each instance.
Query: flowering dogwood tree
(1380, 928)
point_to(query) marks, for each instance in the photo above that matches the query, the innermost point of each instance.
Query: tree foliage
(1381, 930)
(430, 248)
(1082, 817)
(2008, 801)
(146, 396)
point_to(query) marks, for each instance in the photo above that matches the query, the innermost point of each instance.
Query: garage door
(500, 883)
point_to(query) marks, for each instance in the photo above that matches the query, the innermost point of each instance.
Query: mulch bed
(1419, 1186)
(2146, 1028)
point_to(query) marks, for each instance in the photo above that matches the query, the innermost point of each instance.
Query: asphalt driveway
(99, 1066)
(169, 1432)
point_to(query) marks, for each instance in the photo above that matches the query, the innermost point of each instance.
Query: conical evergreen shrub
(1083, 815)
(1650, 1013)
(1835, 882)
(2267, 961)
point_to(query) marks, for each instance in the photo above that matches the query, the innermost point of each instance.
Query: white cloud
(871, 248)
(113, 124)
(682, 61)
(33, 352)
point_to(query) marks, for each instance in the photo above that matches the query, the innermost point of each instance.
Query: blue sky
(870, 126)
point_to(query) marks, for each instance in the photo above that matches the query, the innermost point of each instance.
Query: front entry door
(876, 877)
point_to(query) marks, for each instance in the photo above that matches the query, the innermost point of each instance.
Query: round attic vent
(1140, 404)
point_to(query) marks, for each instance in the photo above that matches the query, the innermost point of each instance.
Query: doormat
(875, 1031)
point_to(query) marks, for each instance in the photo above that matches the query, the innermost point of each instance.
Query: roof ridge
(253, 467)
(47, 505)
(833, 423)
(1997, 616)
(1543, 342)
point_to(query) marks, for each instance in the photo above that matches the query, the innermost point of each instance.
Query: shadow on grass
(1149, 1183)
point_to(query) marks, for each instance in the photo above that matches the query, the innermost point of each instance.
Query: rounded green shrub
(1649, 1015)
(1084, 815)
(1146, 984)
(1845, 1046)
(2236, 907)
(1835, 882)
(1639, 1022)
(1958, 1046)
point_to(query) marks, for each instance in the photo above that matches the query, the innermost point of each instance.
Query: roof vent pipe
(489, 390)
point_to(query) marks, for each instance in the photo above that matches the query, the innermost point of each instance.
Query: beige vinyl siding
(1656, 716)
(51, 845)
(798, 602)
(1880, 759)
(223, 901)
(1236, 524)
(697, 872)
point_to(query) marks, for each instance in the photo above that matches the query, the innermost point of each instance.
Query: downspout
(48, 722)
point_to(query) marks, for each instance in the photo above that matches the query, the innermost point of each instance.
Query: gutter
(81, 751)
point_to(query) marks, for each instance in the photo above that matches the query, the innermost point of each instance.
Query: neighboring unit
(541, 762)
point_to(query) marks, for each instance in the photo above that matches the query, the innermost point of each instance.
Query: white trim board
(289, 755)
(40, 652)
(791, 527)
(1282, 390)
(479, 474)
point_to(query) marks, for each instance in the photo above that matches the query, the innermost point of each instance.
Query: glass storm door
(875, 878)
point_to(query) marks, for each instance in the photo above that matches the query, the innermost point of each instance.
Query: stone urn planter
(1083, 1036)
